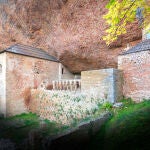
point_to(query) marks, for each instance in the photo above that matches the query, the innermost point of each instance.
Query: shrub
(107, 105)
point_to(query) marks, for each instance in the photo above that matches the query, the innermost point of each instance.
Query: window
(0, 68)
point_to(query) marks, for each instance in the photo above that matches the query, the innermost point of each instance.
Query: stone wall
(76, 137)
(64, 107)
(136, 74)
(25, 73)
(2, 84)
(105, 83)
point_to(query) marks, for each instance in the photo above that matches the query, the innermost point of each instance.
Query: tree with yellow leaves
(121, 12)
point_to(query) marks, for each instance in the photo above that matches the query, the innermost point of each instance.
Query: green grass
(17, 128)
(129, 128)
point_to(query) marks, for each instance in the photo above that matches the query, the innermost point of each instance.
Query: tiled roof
(143, 46)
(30, 51)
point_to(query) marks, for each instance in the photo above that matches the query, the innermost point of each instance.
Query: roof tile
(30, 51)
(143, 46)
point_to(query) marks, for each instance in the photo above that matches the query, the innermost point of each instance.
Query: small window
(0, 68)
(62, 71)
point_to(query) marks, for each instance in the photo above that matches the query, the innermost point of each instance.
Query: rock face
(71, 30)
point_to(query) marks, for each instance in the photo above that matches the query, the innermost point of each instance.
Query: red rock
(71, 30)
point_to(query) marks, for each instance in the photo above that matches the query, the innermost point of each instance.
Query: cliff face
(71, 30)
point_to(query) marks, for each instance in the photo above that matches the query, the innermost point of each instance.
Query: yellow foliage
(122, 12)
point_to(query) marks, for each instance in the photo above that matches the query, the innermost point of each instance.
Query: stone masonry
(136, 75)
(22, 74)
(105, 84)
(19, 75)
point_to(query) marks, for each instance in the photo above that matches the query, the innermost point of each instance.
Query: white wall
(3, 85)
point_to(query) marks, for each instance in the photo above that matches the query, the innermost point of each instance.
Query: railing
(71, 85)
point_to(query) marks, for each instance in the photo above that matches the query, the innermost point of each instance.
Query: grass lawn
(21, 127)
(129, 128)
(17, 128)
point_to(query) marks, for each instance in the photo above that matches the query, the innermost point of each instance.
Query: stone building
(23, 68)
(105, 84)
(135, 64)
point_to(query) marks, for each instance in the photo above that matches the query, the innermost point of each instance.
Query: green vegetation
(107, 105)
(121, 12)
(19, 127)
(129, 128)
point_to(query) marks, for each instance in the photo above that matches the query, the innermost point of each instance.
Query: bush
(107, 105)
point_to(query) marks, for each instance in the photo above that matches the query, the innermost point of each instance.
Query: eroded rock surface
(71, 30)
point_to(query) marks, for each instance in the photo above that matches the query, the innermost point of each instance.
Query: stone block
(105, 84)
